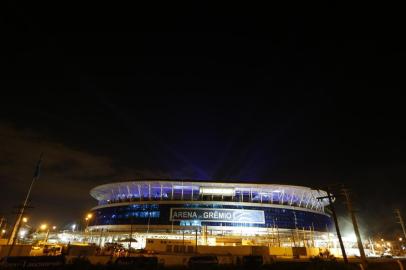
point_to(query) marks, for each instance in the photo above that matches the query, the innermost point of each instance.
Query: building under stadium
(211, 213)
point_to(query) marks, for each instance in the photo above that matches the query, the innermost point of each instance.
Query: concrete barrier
(18, 250)
(284, 252)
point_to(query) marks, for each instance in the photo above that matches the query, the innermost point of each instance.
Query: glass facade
(159, 214)
(179, 190)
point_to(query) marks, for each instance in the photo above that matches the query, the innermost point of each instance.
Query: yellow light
(89, 216)
(400, 239)
(86, 218)
(53, 227)
(25, 220)
(382, 240)
(3, 231)
(43, 226)
(388, 244)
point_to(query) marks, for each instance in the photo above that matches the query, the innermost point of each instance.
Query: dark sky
(243, 93)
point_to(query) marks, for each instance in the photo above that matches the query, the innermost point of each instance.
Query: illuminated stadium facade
(210, 211)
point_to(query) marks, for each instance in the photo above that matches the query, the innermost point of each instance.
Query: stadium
(211, 213)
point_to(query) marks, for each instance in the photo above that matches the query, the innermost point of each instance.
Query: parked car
(387, 256)
(205, 261)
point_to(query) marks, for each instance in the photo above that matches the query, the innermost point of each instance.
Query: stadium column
(172, 193)
(149, 191)
(181, 197)
(100, 237)
(277, 233)
(196, 241)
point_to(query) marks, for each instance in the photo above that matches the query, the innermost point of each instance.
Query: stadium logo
(218, 215)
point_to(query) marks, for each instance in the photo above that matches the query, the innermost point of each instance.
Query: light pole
(53, 229)
(399, 216)
(1, 222)
(87, 219)
(20, 231)
(44, 227)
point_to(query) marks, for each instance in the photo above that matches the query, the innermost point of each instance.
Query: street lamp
(87, 219)
(44, 227)
(22, 233)
(25, 220)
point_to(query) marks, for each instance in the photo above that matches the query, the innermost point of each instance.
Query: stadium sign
(218, 215)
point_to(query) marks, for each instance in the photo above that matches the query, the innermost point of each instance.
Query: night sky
(241, 94)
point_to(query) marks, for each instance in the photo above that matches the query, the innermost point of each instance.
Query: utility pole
(333, 212)
(399, 216)
(355, 224)
(17, 225)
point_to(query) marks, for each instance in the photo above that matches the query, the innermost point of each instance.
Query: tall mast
(21, 211)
